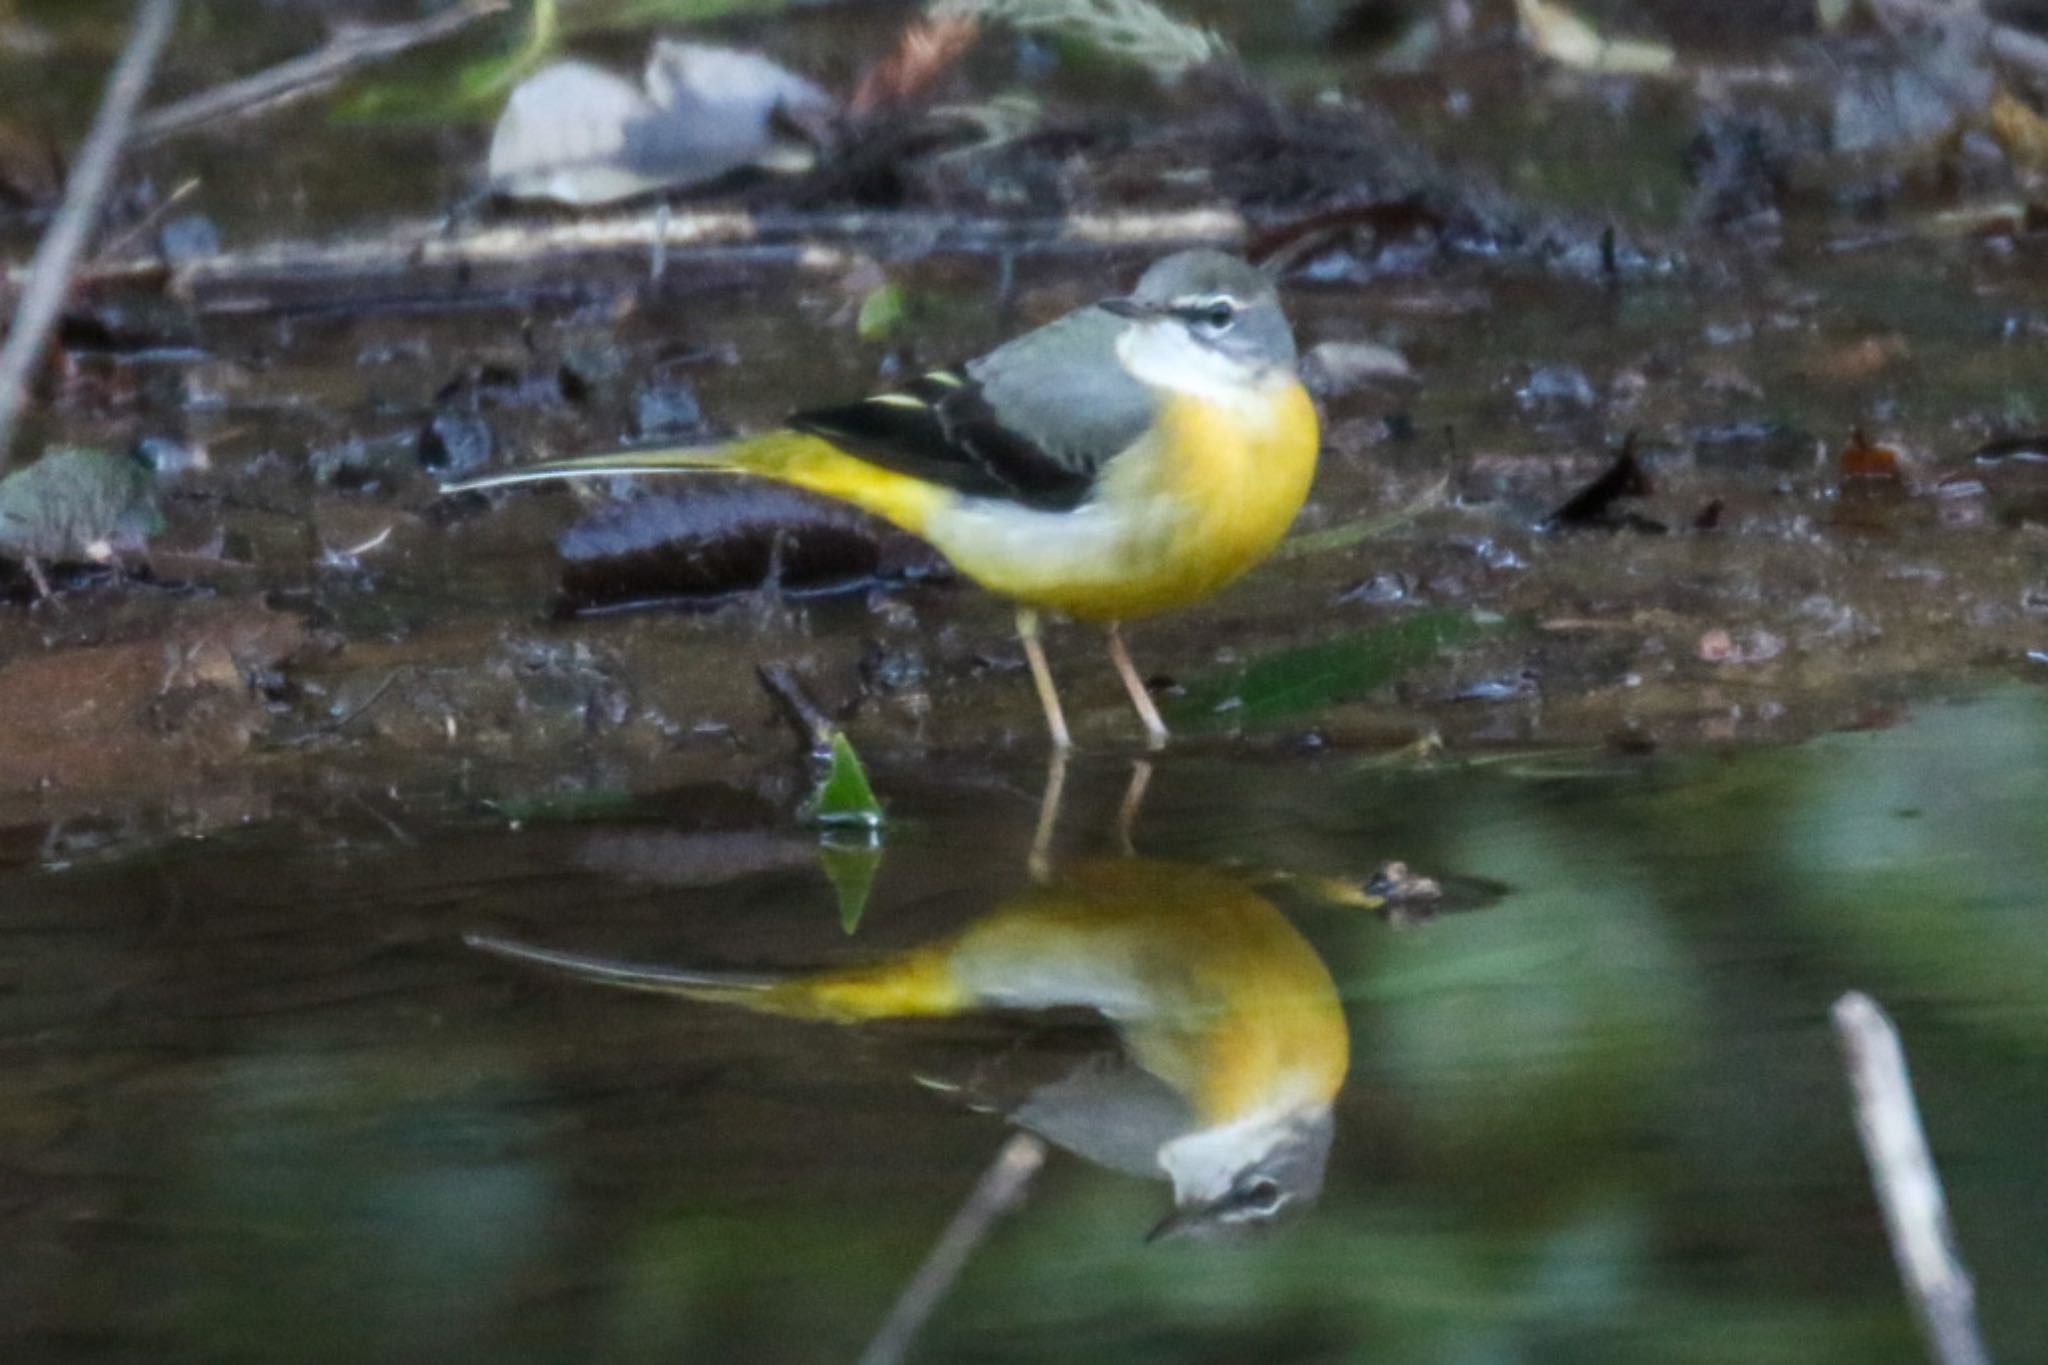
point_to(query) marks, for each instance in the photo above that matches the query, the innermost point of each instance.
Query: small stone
(1335, 367)
(454, 443)
(1379, 589)
(664, 408)
(187, 238)
(1556, 391)
(893, 669)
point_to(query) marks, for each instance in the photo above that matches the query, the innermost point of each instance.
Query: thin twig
(1000, 1186)
(376, 695)
(49, 274)
(1908, 1187)
(1351, 532)
(110, 250)
(813, 727)
(348, 50)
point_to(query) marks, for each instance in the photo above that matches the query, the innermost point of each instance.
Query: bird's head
(1204, 319)
(1239, 1179)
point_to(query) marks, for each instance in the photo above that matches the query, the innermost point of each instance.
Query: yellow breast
(1202, 497)
(1236, 475)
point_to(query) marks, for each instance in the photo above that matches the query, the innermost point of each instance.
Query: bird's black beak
(1171, 1226)
(1124, 306)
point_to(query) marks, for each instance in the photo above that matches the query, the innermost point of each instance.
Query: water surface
(260, 1093)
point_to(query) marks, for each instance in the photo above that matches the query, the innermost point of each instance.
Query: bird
(1131, 457)
(1232, 1044)
(82, 503)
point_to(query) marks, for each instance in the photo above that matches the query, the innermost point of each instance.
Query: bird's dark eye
(1211, 314)
(1262, 1195)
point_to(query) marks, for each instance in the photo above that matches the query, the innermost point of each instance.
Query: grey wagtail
(1233, 1041)
(1133, 456)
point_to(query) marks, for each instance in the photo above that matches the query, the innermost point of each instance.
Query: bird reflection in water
(1231, 1041)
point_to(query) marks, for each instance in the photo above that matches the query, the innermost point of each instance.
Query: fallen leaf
(1863, 459)
(1290, 682)
(2018, 129)
(579, 134)
(1593, 505)
(881, 313)
(926, 51)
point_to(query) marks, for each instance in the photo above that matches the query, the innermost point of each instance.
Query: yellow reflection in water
(1232, 1041)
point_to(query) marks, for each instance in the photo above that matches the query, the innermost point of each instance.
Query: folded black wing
(942, 427)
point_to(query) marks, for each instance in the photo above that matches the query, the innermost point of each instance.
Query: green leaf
(850, 866)
(844, 798)
(881, 312)
(1279, 686)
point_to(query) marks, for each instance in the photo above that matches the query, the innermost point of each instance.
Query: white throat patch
(1162, 355)
(1204, 1163)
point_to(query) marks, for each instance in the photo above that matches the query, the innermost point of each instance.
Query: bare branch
(1915, 1212)
(49, 274)
(1000, 1186)
(348, 50)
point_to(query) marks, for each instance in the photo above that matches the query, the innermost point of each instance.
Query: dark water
(262, 1103)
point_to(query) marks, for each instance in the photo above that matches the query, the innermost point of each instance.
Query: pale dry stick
(350, 49)
(817, 242)
(49, 274)
(1001, 1186)
(1908, 1188)
(1352, 532)
(110, 250)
